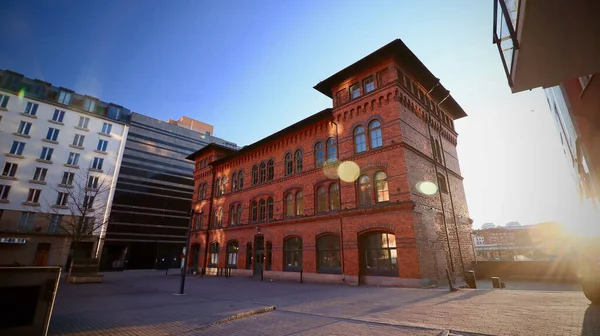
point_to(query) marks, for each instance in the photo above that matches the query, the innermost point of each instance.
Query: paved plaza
(142, 303)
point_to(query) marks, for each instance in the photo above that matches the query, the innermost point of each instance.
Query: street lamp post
(186, 252)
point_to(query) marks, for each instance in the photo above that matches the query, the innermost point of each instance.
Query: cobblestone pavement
(141, 303)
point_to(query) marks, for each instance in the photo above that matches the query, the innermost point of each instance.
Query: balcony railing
(506, 14)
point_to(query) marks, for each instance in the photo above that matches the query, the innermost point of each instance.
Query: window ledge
(60, 207)
(37, 182)
(76, 147)
(96, 170)
(12, 178)
(3, 109)
(4, 201)
(15, 155)
(44, 161)
(56, 122)
(50, 141)
(28, 115)
(82, 129)
(105, 134)
(65, 186)
(31, 204)
(22, 135)
(71, 166)
(100, 152)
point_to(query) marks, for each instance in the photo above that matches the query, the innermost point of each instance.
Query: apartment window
(299, 203)
(26, 221)
(442, 183)
(10, 169)
(102, 144)
(298, 159)
(292, 254)
(106, 128)
(214, 254)
(202, 191)
(263, 172)
(83, 122)
(34, 195)
(319, 155)
(328, 254)
(364, 190)
(24, 128)
(289, 164)
(381, 187)
(3, 100)
(97, 163)
(360, 141)
(55, 223)
(321, 199)
(232, 254)
(17, 148)
(355, 91)
(52, 134)
(254, 211)
(31, 108)
(262, 213)
(46, 153)
(89, 104)
(58, 116)
(78, 140)
(254, 175)
(62, 198)
(270, 170)
(289, 205)
(270, 208)
(331, 150)
(88, 201)
(67, 178)
(368, 84)
(375, 134)
(73, 159)
(93, 182)
(64, 97)
(4, 190)
(334, 197)
(40, 174)
(241, 180)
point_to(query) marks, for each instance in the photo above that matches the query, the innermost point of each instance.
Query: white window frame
(64, 97)
(18, 149)
(73, 159)
(106, 128)
(40, 174)
(97, 163)
(33, 196)
(10, 169)
(24, 127)
(62, 198)
(83, 122)
(4, 191)
(89, 104)
(31, 108)
(102, 145)
(67, 178)
(78, 140)
(58, 116)
(52, 134)
(46, 153)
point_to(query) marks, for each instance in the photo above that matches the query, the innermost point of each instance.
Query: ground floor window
(328, 254)
(292, 254)
(232, 254)
(214, 255)
(378, 254)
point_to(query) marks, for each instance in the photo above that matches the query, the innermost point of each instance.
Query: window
(64, 97)
(299, 203)
(239, 214)
(253, 211)
(368, 84)
(321, 199)
(58, 116)
(17, 148)
(289, 165)
(31, 108)
(234, 182)
(381, 187)
(232, 215)
(262, 210)
(292, 254)
(379, 255)
(218, 187)
(270, 170)
(26, 221)
(319, 155)
(364, 190)
(106, 128)
(270, 208)
(97, 163)
(255, 175)
(3, 100)
(232, 254)
(102, 144)
(220, 221)
(88, 201)
(78, 140)
(328, 254)
(214, 254)
(62, 198)
(298, 159)
(202, 191)
(334, 197)
(355, 91)
(375, 133)
(46, 153)
(263, 173)
(223, 185)
(248, 255)
(438, 151)
(4, 190)
(24, 128)
(83, 122)
(55, 223)
(331, 150)
(93, 182)
(73, 159)
(52, 134)
(40, 174)
(67, 178)
(289, 205)
(241, 180)
(89, 105)
(442, 183)
(34, 195)
(360, 142)
(10, 169)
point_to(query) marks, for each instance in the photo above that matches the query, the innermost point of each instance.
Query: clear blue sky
(248, 68)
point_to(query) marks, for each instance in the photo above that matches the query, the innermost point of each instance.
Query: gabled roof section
(212, 145)
(405, 57)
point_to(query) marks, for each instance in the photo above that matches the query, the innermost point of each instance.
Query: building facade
(346, 194)
(61, 153)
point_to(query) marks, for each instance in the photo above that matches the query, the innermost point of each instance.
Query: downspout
(208, 222)
(341, 216)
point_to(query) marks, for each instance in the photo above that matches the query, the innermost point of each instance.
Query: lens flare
(427, 188)
(331, 171)
(348, 171)
(21, 94)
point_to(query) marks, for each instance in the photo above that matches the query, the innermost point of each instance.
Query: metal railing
(504, 35)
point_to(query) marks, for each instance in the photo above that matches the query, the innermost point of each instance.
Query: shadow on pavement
(591, 321)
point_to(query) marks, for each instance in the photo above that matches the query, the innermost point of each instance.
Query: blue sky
(248, 68)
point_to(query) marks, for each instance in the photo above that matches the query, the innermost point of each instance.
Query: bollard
(301, 276)
(202, 272)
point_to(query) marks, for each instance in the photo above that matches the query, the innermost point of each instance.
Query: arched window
(262, 210)
(289, 205)
(241, 180)
(298, 159)
(223, 185)
(321, 199)
(442, 183)
(331, 150)
(232, 253)
(292, 254)
(263, 173)
(381, 187)
(299, 203)
(215, 222)
(202, 191)
(199, 221)
(234, 182)
(254, 211)
(217, 187)
(289, 164)
(270, 170)
(220, 218)
(255, 175)
(375, 134)
(378, 254)
(239, 214)
(232, 215)
(214, 254)
(334, 197)
(328, 254)
(319, 155)
(364, 190)
(360, 141)
(270, 208)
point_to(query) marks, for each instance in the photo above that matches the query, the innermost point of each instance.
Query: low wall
(559, 270)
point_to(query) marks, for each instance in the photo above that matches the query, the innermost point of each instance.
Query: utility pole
(186, 252)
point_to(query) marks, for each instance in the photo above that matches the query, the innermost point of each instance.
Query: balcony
(543, 42)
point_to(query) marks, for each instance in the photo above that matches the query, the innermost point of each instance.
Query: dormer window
(64, 97)
(368, 84)
(355, 91)
(89, 104)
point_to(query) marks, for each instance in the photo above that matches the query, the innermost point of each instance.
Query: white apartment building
(53, 143)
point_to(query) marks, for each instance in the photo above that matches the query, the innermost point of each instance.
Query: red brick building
(338, 195)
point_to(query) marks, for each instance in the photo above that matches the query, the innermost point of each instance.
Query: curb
(231, 318)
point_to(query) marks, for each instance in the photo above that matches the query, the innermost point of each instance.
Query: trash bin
(470, 279)
(496, 282)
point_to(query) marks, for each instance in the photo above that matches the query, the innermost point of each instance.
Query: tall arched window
(239, 214)
(218, 187)
(214, 254)
(232, 215)
(215, 222)
(223, 185)
(364, 190)
(331, 150)
(299, 203)
(263, 173)
(442, 183)
(270, 208)
(360, 141)
(221, 217)
(289, 164)
(289, 205)
(319, 155)
(202, 191)
(255, 175)
(234, 182)
(321, 199)
(241, 180)
(292, 254)
(328, 254)
(254, 210)
(270, 170)
(334, 197)
(381, 187)
(262, 211)
(375, 134)
(232, 253)
(298, 159)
